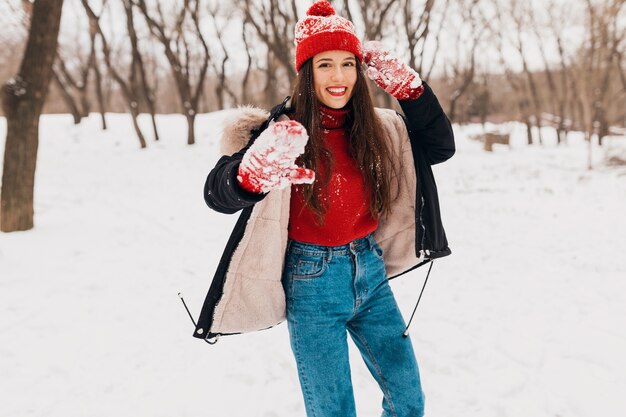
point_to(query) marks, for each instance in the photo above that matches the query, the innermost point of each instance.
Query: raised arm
(428, 126)
(266, 164)
(222, 191)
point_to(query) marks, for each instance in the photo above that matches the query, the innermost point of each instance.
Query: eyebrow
(329, 59)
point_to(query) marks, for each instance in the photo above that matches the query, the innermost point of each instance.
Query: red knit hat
(322, 30)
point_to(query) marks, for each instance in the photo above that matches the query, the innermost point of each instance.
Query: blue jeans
(331, 289)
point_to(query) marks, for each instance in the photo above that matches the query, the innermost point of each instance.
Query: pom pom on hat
(322, 30)
(321, 8)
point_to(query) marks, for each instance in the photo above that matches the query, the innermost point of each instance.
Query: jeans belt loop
(329, 254)
(370, 241)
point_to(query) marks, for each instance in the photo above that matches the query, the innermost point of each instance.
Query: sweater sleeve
(222, 191)
(428, 126)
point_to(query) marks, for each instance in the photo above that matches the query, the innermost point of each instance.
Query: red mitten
(269, 163)
(393, 76)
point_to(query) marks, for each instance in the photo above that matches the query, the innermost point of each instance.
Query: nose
(337, 73)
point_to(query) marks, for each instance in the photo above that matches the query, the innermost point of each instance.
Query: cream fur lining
(253, 296)
(238, 126)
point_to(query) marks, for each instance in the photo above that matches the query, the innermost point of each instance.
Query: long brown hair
(367, 143)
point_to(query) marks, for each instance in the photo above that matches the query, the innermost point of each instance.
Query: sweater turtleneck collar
(333, 118)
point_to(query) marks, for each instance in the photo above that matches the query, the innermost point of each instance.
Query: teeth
(337, 90)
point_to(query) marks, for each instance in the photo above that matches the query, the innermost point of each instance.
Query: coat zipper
(422, 251)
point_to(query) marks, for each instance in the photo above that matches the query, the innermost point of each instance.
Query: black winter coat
(432, 142)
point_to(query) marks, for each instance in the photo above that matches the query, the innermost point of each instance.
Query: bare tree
(80, 85)
(496, 26)
(598, 59)
(557, 80)
(426, 70)
(375, 15)
(481, 102)
(221, 88)
(66, 92)
(518, 13)
(462, 66)
(245, 94)
(23, 100)
(273, 21)
(70, 85)
(178, 44)
(141, 87)
(128, 86)
(93, 28)
(417, 29)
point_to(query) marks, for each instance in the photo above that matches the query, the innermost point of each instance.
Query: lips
(337, 91)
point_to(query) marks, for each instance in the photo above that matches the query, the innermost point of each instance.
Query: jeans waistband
(358, 245)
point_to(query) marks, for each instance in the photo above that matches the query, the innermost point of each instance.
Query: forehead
(333, 55)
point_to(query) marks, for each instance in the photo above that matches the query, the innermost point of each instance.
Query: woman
(336, 197)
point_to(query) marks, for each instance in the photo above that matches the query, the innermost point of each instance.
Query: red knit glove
(393, 76)
(269, 163)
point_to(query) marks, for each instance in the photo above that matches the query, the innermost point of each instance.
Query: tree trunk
(99, 94)
(451, 113)
(128, 86)
(270, 82)
(134, 114)
(219, 92)
(589, 139)
(179, 59)
(535, 102)
(67, 98)
(143, 88)
(85, 104)
(24, 97)
(86, 72)
(191, 133)
(561, 129)
(153, 118)
(603, 125)
(245, 94)
(529, 129)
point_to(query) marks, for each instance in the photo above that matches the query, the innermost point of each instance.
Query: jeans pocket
(303, 266)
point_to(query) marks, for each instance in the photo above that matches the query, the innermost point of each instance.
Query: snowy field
(526, 318)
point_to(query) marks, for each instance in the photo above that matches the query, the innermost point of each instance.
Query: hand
(269, 163)
(389, 73)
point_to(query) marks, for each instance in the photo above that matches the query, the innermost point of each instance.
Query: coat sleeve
(429, 127)
(222, 191)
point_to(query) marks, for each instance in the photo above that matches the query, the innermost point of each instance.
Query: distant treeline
(177, 57)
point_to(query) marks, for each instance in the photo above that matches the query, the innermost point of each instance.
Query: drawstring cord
(188, 312)
(211, 341)
(406, 331)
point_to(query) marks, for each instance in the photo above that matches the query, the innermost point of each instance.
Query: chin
(336, 104)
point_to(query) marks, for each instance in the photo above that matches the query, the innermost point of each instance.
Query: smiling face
(334, 77)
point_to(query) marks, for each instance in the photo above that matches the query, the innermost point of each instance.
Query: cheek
(352, 78)
(318, 82)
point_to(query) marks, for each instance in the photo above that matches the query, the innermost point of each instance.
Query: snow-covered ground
(524, 319)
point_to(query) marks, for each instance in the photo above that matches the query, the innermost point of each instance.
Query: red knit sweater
(347, 217)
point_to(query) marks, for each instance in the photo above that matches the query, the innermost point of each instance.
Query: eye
(323, 65)
(349, 64)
